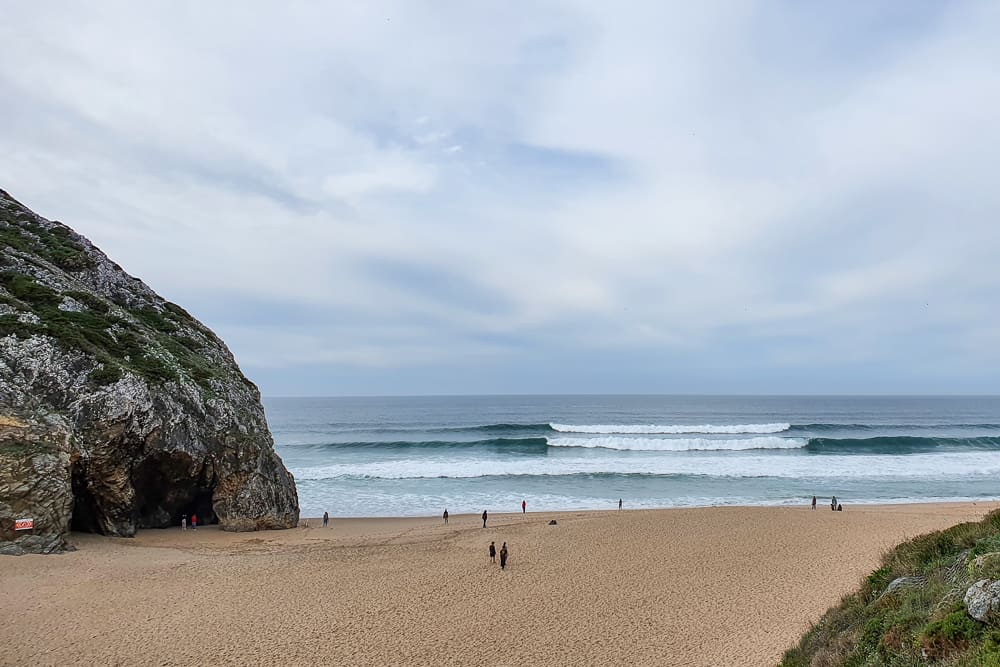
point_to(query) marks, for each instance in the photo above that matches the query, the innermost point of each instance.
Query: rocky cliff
(118, 410)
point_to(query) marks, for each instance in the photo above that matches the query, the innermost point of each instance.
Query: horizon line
(624, 395)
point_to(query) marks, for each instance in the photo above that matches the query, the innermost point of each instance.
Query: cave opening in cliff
(85, 511)
(166, 490)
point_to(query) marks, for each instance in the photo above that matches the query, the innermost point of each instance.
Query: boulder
(982, 600)
(118, 409)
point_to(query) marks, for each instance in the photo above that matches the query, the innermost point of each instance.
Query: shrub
(106, 373)
(950, 634)
(154, 319)
(27, 289)
(92, 301)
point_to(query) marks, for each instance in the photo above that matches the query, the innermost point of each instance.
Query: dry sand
(711, 586)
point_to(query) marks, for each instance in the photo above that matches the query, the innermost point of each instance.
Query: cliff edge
(118, 410)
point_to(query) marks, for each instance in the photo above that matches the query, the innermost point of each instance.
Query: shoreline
(692, 586)
(820, 504)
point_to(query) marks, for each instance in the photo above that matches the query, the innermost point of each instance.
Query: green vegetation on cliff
(95, 330)
(911, 611)
(117, 337)
(120, 410)
(52, 244)
(156, 342)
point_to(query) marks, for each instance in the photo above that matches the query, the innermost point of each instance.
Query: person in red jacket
(524, 506)
(194, 522)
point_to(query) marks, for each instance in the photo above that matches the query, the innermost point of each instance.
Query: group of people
(503, 554)
(834, 505)
(194, 522)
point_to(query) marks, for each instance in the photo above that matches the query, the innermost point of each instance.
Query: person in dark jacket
(503, 556)
(484, 518)
(493, 552)
(445, 515)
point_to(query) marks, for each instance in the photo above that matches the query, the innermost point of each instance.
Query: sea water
(420, 455)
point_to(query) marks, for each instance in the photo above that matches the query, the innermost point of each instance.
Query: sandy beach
(707, 586)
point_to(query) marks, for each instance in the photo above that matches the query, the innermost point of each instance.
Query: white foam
(670, 428)
(950, 466)
(681, 444)
(316, 500)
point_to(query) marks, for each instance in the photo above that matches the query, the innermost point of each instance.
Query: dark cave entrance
(166, 485)
(165, 490)
(85, 510)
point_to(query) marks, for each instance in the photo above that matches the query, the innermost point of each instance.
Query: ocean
(417, 456)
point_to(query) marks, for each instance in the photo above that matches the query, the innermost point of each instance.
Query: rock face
(983, 600)
(118, 410)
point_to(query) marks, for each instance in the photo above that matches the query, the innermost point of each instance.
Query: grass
(918, 624)
(54, 244)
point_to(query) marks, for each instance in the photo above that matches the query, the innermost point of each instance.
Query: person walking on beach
(484, 518)
(184, 522)
(524, 506)
(493, 552)
(814, 502)
(503, 556)
(619, 504)
(445, 515)
(326, 518)
(833, 503)
(194, 522)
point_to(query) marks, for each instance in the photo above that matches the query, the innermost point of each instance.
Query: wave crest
(681, 444)
(670, 428)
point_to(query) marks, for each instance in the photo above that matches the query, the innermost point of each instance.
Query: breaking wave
(680, 444)
(670, 428)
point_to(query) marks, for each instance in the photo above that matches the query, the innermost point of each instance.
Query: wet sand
(706, 586)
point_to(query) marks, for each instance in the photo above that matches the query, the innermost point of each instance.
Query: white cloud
(385, 175)
(675, 179)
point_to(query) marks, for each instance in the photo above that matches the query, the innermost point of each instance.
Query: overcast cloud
(451, 197)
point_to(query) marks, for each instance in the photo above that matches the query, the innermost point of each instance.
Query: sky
(393, 198)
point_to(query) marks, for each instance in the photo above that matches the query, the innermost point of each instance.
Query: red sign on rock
(24, 524)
